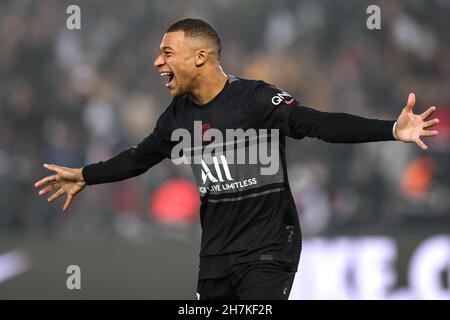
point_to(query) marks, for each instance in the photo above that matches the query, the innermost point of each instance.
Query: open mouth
(169, 76)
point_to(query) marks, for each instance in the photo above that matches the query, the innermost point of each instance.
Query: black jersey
(247, 211)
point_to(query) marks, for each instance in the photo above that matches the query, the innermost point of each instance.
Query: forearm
(339, 127)
(120, 167)
(129, 163)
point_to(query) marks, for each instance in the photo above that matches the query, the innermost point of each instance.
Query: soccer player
(251, 238)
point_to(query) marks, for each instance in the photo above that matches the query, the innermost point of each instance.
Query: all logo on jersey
(220, 178)
(282, 97)
(220, 172)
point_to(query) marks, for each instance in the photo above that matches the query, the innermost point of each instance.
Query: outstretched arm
(348, 128)
(127, 164)
(280, 111)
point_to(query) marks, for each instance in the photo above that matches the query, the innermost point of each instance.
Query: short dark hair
(198, 28)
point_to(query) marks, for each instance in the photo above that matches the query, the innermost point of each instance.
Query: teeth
(170, 75)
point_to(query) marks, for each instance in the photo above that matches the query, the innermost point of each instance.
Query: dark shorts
(250, 281)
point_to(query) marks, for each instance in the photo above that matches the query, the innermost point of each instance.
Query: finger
(420, 143)
(428, 112)
(56, 195)
(68, 202)
(53, 167)
(411, 102)
(429, 133)
(47, 179)
(48, 188)
(430, 123)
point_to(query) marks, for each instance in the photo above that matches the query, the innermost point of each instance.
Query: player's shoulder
(238, 82)
(267, 94)
(175, 105)
(248, 87)
(254, 85)
(169, 115)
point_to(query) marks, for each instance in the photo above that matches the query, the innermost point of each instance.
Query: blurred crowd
(73, 97)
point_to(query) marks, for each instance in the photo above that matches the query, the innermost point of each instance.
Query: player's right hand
(66, 180)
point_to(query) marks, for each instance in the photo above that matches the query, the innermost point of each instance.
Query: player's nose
(159, 61)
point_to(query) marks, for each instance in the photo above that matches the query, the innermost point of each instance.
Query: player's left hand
(411, 127)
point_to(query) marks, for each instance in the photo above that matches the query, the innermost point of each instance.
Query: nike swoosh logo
(288, 101)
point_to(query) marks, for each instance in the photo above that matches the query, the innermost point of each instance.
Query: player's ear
(201, 55)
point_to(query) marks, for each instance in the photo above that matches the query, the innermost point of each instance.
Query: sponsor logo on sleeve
(282, 97)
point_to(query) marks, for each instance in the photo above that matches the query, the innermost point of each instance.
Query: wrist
(394, 133)
(80, 175)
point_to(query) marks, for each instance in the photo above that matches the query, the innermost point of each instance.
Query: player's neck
(209, 86)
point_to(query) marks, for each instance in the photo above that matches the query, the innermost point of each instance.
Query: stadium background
(376, 217)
